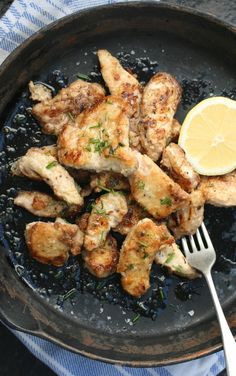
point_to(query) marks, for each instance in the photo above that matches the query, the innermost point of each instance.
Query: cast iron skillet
(200, 52)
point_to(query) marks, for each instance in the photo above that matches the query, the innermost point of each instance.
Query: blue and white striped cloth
(22, 19)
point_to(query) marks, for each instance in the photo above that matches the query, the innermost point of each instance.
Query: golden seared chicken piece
(109, 181)
(123, 84)
(103, 260)
(54, 113)
(134, 214)
(44, 205)
(45, 167)
(100, 142)
(175, 164)
(219, 190)
(39, 92)
(173, 259)
(47, 150)
(137, 254)
(154, 190)
(175, 130)
(107, 213)
(50, 243)
(186, 220)
(160, 99)
(82, 221)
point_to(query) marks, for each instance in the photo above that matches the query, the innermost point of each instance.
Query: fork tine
(185, 246)
(199, 238)
(193, 244)
(207, 237)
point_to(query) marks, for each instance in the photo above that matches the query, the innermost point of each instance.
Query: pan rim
(208, 17)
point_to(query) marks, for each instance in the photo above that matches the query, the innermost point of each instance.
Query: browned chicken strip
(123, 84)
(186, 220)
(102, 261)
(173, 259)
(160, 99)
(44, 205)
(219, 190)
(175, 130)
(175, 164)
(134, 214)
(50, 243)
(47, 150)
(54, 113)
(45, 167)
(101, 142)
(39, 92)
(109, 181)
(154, 190)
(107, 212)
(137, 254)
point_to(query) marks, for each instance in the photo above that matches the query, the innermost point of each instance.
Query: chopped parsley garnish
(145, 245)
(99, 211)
(83, 76)
(140, 185)
(109, 102)
(88, 148)
(161, 294)
(166, 201)
(136, 318)
(58, 275)
(71, 116)
(145, 255)
(99, 146)
(170, 258)
(178, 269)
(51, 164)
(96, 126)
(70, 294)
(105, 189)
(102, 237)
(130, 266)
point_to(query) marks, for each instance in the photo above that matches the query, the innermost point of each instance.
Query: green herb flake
(83, 76)
(136, 318)
(109, 101)
(99, 211)
(130, 267)
(71, 116)
(70, 294)
(58, 275)
(140, 185)
(51, 165)
(145, 245)
(178, 269)
(161, 294)
(102, 236)
(99, 146)
(170, 257)
(166, 201)
(88, 148)
(96, 126)
(105, 189)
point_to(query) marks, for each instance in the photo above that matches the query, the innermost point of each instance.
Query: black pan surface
(175, 321)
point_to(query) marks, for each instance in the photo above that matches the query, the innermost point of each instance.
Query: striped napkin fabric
(22, 19)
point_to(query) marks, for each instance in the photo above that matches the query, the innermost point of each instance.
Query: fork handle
(227, 336)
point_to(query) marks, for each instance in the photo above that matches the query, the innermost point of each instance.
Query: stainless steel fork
(203, 259)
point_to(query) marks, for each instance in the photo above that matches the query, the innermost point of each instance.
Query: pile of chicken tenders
(124, 146)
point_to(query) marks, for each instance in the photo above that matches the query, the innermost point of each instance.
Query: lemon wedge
(208, 136)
